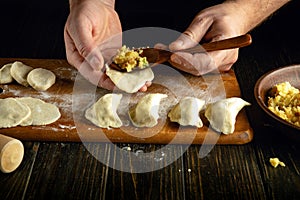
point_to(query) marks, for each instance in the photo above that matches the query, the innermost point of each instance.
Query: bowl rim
(260, 101)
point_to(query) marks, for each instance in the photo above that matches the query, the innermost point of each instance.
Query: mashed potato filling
(128, 59)
(284, 101)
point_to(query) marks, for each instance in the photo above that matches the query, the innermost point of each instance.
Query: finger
(196, 64)
(193, 34)
(160, 46)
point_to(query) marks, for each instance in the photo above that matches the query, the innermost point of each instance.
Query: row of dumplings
(220, 114)
(39, 79)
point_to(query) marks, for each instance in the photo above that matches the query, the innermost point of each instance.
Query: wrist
(110, 3)
(253, 12)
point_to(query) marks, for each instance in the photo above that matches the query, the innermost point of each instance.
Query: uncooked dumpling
(5, 76)
(145, 112)
(186, 112)
(130, 82)
(41, 79)
(222, 114)
(104, 112)
(12, 112)
(19, 72)
(42, 113)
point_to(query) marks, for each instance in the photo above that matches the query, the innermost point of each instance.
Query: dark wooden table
(34, 29)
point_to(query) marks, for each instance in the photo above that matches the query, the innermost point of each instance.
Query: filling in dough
(42, 113)
(186, 112)
(19, 72)
(129, 59)
(104, 112)
(41, 79)
(12, 112)
(5, 76)
(130, 82)
(145, 112)
(222, 114)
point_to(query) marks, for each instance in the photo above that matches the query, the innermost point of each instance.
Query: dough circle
(130, 82)
(12, 112)
(5, 76)
(41, 79)
(19, 72)
(42, 113)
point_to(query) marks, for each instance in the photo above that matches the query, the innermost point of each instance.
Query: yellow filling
(284, 101)
(129, 59)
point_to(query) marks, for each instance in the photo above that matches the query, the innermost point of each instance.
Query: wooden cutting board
(73, 95)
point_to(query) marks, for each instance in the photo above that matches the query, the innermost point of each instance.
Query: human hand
(212, 24)
(92, 36)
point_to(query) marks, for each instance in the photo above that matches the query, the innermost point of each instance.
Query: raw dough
(186, 112)
(19, 72)
(222, 114)
(130, 82)
(12, 112)
(104, 112)
(5, 76)
(42, 113)
(41, 79)
(145, 112)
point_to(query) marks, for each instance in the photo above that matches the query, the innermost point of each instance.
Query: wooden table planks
(73, 95)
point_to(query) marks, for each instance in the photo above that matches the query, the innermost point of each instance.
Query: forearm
(256, 11)
(107, 2)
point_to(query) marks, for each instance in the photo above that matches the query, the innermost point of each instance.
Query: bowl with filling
(278, 94)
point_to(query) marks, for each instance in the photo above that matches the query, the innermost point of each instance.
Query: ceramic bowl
(261, 92)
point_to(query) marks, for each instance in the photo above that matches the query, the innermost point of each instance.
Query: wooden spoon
(157, 56)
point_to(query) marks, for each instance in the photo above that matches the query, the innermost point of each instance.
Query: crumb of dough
(128, 58)
(275, 162)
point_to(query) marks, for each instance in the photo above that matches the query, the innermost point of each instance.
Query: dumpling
(222, 114)
(104, 112)
(145, 112)
(186, 112)
(5, 76)
(130, 82)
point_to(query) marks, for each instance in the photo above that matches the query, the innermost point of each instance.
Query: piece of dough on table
(41, 79)
(5, 76)
(19, 72)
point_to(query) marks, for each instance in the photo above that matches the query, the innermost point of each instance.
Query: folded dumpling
(222, 114)
(103, 113)
(186, 112)
(145, 112)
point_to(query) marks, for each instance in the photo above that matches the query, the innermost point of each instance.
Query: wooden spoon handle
(230, 43)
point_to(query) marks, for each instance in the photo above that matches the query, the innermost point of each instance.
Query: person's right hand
(92, 34)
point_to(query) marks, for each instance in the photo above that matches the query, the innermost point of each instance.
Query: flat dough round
(5, 76)
(104, 112)
(19, 72)
(41, 79)
(42, 113)
(12, 112)
(130, 82)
